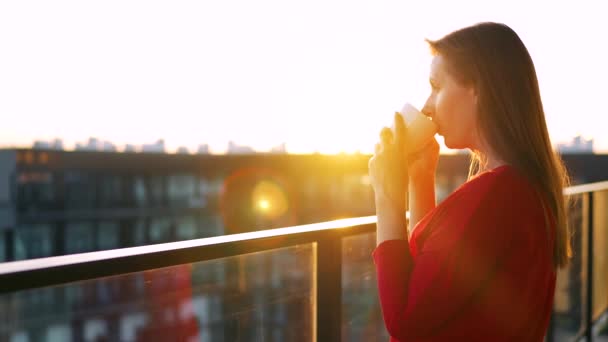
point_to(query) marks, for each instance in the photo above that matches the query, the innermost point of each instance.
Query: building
(157, 147)
(234, 148)
(577, 145)
(203, 149)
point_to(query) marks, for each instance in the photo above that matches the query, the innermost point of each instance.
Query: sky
(320, 75)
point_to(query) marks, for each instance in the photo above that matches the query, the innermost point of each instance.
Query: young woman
(481, 265)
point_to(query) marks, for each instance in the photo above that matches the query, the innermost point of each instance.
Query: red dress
(483, 272)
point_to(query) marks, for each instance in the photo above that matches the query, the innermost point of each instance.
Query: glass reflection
(265, 296)
(361, 315)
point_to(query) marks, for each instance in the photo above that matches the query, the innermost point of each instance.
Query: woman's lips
(438, 128)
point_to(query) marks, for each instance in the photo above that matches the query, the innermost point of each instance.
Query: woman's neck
(490, 158)
(494, 163)
(489, 161)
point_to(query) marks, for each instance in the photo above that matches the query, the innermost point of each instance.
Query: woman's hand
(423, 164)
(388, 171)
(421, 190)
(393, 172)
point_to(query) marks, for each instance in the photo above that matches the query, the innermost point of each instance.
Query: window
(79, 190)
(108, 235)
(34, 189)
(33, 241)
(156, 190)
(181, 190)
(139, 191)
(160, 229)
(110, 191)
(139, 232)
(2, 247)
(79, 237)
(186, 228)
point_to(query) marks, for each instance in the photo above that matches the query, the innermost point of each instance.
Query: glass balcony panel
(266, 296)
(569, 291)
(600, 254)
(361, 313)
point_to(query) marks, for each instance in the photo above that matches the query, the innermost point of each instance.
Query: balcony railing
(311, 282)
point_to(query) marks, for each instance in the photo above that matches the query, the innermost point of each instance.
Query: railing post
(551, 329)
(329, 288)
(589, 299)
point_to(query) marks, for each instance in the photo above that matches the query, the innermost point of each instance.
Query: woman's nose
(428, 108)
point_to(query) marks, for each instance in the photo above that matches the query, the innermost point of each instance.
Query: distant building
(95, 144)
(233, 148)
(41, 145)
(109, 147)
(130, 148)
(182, 150)
(158, 147)
(203, 149)
(577, 145)
(279, 149)
(56, 144)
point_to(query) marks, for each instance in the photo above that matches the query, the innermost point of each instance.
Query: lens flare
(270, 199)
(254, 198)
(263, 204)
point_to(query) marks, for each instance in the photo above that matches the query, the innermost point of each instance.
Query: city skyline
(321, 76)
(578, 144)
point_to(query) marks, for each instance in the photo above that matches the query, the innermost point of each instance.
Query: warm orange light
(264, 204)
(270, 199)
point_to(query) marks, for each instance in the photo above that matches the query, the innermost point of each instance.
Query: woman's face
(453, 107)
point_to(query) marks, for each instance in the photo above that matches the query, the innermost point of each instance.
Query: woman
(481, 265)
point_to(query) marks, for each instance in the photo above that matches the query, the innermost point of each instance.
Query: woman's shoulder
(501, 189)
(493, 200)
(501, 195)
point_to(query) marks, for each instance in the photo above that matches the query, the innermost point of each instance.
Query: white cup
(421, 129)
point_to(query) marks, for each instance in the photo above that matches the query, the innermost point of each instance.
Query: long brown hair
(492, 58)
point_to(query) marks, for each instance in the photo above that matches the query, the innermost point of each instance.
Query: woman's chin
(451, 144)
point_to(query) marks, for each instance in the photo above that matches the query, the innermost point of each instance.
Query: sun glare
(264, 204)
(269, 199)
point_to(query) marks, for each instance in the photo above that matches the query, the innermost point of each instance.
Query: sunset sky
(320, 75)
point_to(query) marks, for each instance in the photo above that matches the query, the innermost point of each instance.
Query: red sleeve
(417, 297)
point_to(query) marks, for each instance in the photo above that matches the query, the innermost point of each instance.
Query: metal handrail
(585, 188)
(34, 273)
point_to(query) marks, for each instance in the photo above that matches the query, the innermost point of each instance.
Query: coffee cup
(420, 128)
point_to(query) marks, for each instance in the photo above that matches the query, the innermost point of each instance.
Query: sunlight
(269, 199)
(263, 204)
